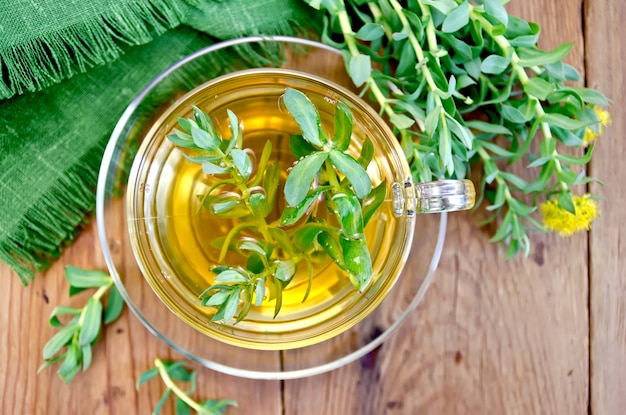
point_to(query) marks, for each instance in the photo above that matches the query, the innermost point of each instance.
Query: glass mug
(171, 233)
(156, 240)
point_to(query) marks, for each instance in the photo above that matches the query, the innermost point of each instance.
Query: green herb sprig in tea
(329, 201)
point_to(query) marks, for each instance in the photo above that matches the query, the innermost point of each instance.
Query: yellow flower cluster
(592, 134)
(557, 219)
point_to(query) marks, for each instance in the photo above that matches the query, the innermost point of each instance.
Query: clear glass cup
(135, 211)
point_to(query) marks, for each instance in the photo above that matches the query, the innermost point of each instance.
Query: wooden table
(543, 335)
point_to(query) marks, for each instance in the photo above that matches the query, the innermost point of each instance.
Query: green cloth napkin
(82, 59)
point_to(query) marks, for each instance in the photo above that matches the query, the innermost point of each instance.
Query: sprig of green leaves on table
(324, 173)
(72, 345)
(176, 371)
(464, 83)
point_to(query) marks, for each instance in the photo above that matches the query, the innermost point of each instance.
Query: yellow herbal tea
(177, 242)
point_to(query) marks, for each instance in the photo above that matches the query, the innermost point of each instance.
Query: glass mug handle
(432, 197)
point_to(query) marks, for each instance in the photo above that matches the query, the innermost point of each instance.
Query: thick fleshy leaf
(299, 147)
(457, 18)
(285, 270)
(301, 177)
(373, 202)
(115, 305)
(230, 275)
(81, 278)
(357, 261)
(92, 322)
(242, 162)
(360, 69)
(343, 127)
(292, 214)
(59, 340)
(354, 172)
(204, 140)
(331, 246)
(350, 215)
(305, 114)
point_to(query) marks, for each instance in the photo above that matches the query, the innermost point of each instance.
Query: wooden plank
(126, 350)
(605, 53)
(492, 336)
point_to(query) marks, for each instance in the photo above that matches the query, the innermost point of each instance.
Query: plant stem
(174, 388)
(519, 70)
(348, 34)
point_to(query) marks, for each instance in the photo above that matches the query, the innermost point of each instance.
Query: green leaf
(301, 177)
(253, 247)
(203, 120)
(444, 6)
(373, 201)
(565, 201)
(291, 214)
(354, 172)
(285, 270)
(538, 87)
(210, 168)
(445, 149)
(216, 299)
(242, 162)
(92, 322)
(513, 114)
(535, 57)
(204, 140)
(332, 248)
(357, 261)
(218, 407)
(259, 292)
(177, 371)
(495, 64)
(299, 147)
(456, 19)
(181, 139)
(304, 236)
(343, 127)
(496, 10)
(262, 164)
(86, 278)
(432, 121)
(228, 310)
(305, 114)
(59, 311)
(60, 339)
(350, 215)
(234, 125)
(370, 31)
(146, 376)
(461, 132)
(367, 153)
(115, 305)
(87, 354)
(161, 403)
(70, 366)
(486, 127)
(230, 275)
(401, 121)
(360, 69)
(182, 408)
(563, 121)
(589, 95)
(186, 124)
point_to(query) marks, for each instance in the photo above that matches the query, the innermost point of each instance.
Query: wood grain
(492, 336)
(605, 70)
